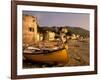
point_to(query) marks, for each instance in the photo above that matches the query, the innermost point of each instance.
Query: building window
(31, 29)
(33, 20)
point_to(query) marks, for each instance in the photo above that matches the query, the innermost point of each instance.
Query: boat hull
(60, 56)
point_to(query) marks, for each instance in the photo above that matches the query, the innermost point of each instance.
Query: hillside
(72, 30)
(78, 30)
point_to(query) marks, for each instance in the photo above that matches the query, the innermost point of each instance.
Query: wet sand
(78, 53)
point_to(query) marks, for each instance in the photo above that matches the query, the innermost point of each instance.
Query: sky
(60, 19)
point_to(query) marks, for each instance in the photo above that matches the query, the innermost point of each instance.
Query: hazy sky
(61, 19)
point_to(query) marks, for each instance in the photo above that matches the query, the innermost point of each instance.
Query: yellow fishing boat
(59, 56)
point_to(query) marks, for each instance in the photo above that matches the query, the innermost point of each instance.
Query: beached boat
(54, 55)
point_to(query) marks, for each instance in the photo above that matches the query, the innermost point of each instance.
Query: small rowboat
(59, 56)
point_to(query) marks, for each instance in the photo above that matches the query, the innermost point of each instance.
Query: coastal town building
(64, 30)
(50, 35)
(29, 29)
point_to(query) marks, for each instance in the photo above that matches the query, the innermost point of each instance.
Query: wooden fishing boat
(56, 56)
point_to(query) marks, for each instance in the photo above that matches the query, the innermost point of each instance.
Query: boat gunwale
(50, 52)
